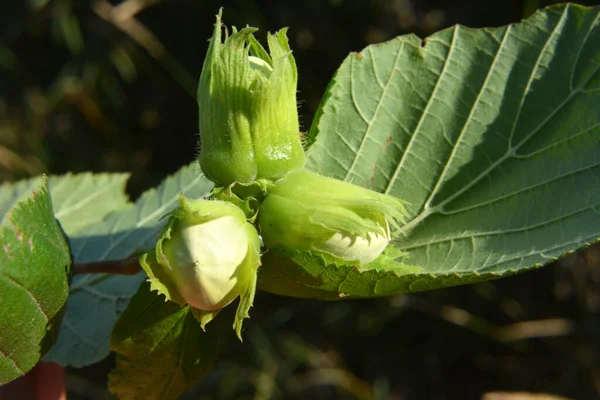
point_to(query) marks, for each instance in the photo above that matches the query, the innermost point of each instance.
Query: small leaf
(35, 267)
(161, 349)
(97, 300)
(491, 135)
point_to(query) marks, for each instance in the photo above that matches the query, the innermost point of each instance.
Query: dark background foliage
(110, 86)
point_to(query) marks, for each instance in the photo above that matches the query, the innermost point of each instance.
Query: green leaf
(97, 300)
(11, 193)
(86, 199)
(161, 349)
(491, 135)
(78, 200)
(34, 281)
(320, 276)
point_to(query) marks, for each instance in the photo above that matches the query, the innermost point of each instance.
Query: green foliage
(11, 193)
(491, 135)
(35, 267)
(161, 349)
(79, 200)
(84, 200)
(487, 133)
(97, 300)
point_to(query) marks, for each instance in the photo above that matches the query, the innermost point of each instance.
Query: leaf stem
(125, 266)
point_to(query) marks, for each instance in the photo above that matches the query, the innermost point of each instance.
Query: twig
(125, 266)
(535, 329)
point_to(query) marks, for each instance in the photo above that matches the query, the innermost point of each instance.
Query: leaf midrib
(511, 152)
(82, 202)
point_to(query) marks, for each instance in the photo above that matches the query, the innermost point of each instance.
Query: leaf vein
(35, 300)
(502, 232)
(370, 125)
(517, 192)
(85, 200)
(422, 118)
(464, 129)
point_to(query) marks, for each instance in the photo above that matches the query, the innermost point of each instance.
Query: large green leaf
(78, 199)
(97, 300)
(161, 349)
(34, 282)
(86, 199)
(492, 135)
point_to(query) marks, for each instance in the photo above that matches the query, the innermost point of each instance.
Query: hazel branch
(125, 266)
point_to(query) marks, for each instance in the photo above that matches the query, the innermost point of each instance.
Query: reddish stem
(125, 266)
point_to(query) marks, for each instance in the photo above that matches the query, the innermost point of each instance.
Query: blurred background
(98, 85)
